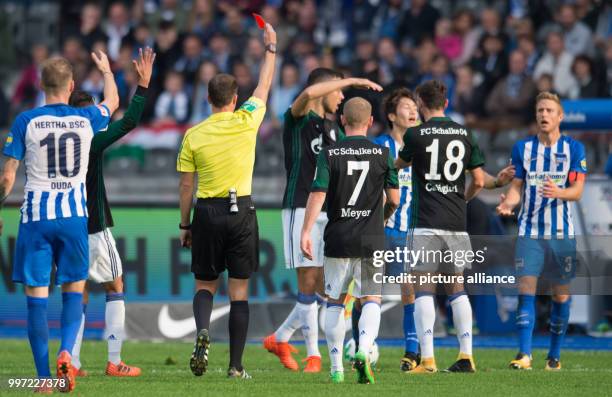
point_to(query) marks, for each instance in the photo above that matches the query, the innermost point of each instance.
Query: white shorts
(293, 220)
(444, 251)
(104, 260)
(339, 272)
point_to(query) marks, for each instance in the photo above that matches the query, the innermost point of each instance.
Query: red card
(260, 21)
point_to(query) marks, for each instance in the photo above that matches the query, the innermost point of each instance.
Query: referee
(224, 233)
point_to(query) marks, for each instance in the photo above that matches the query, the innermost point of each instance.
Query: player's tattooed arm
(6, 183)
(503, 178)
(391, 202)
(476, 184)
(313, 209)
(511, 199)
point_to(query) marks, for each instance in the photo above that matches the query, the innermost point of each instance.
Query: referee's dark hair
(221, 89)
(319, 75)
(392, 100)
(433, 94)
(79, 99)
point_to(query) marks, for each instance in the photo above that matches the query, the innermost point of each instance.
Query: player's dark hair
(221, 89)
(433, 94)
(79, 99)
(319, 75)
(392, 100)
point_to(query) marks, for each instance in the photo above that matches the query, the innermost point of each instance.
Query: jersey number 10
(50, 142)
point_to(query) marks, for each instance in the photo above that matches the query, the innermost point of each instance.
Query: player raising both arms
(104, 261)
(53, 142)
(306, 132)
(352, 174)
(550, 173)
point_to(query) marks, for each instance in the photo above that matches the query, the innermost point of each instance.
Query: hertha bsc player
(440, 152)
(104, 261)
(352, 174)
(306, 132)
(550, 173)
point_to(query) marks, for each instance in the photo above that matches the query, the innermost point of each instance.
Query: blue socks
(410, 335)
(525, 321)
(355, 316)
(38, 334)
(72, 312)
(559, 317)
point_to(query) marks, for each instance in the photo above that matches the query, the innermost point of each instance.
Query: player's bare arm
(144, 66)
(6, 183)
(573, 192)
(392, 200)
(511, 199)
(476, 184)
(267, 68)
(401, 163)
(111, 95)
(313, 209)
(504, 177)
(300, 105)
(186, 185)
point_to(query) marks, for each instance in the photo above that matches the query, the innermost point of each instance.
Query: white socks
(425, 317)
(462, 317)
(76, 350)
(310, 328)
(334, 333)
(115, 328)
(369, 323)
(288, 327)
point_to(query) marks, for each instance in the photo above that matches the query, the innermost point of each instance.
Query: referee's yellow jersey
(221, 149)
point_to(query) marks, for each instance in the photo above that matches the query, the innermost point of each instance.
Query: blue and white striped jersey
(541, 217)
(401, 217)
(53, 141)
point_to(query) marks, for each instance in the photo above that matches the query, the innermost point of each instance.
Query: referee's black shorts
(222, 240)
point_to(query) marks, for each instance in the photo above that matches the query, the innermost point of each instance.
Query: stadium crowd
(493, 55)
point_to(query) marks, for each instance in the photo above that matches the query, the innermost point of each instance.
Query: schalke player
(550, 173)
(53, 141)
(104, 261)
(352, 174)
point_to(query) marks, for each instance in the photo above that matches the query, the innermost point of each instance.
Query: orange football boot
(65, 372)
(313, 364)
(121, 370)
(283, 351)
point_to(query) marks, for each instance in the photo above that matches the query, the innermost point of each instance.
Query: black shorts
(222, 240)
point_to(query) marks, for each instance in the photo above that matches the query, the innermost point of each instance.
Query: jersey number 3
(451, 159)
(50, 143)
(364, 167)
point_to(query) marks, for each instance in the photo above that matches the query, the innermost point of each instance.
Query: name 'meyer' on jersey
(54, 142)
(354, 172)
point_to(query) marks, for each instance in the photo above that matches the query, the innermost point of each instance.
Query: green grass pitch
(584, 374)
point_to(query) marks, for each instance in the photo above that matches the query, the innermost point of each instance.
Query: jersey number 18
(452, 159)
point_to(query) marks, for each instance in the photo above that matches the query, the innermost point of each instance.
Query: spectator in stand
(94, 84)
(74, 52)
(578, 36)
(394, 67)
(117, 28)
(169, 11)
(558, 63)
(168, 50)
(463, 24)
(202, 21)
(545, 83)
(190, 60)
(419, 21)
(245, 81)
(364, 52)
(200, 106)
(468, 98)
(285, 31)
(491, 25)
(284, 94)
(588, 86)
(235, 31)
(448, 42)
(254, 55)
(603, 31)
(387, 18)
(172, 105)
(527, 46)
(27, 92)
(89, 29)
(440, 70)
(219, 52)
(143, 38)
(510, 104)
(491, 64)
(425, 54)
(608, 71)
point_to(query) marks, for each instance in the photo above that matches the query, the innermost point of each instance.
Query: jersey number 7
(364, 167)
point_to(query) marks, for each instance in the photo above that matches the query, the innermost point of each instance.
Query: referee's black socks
(202, 308)
(238, 327)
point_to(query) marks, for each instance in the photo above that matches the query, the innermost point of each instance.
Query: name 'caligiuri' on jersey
(54, 141)
(539, 216)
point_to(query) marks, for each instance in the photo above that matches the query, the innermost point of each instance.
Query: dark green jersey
(354, 172)
(97, 204)
(303, 139)
(441, 151)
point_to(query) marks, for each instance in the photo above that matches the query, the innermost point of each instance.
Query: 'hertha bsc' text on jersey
(539, 216)
(54, 141)
(441, 151)
(354, 172)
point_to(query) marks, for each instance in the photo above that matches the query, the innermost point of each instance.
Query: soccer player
(306, 132)
(224, 235)
(440, 152)
(104, 261)
(51, 140)
(353, 174)
(550, 173)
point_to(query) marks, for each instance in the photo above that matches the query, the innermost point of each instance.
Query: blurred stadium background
(493, 55)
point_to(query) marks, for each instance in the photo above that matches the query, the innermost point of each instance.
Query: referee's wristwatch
(271, 48)
(185, 227)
